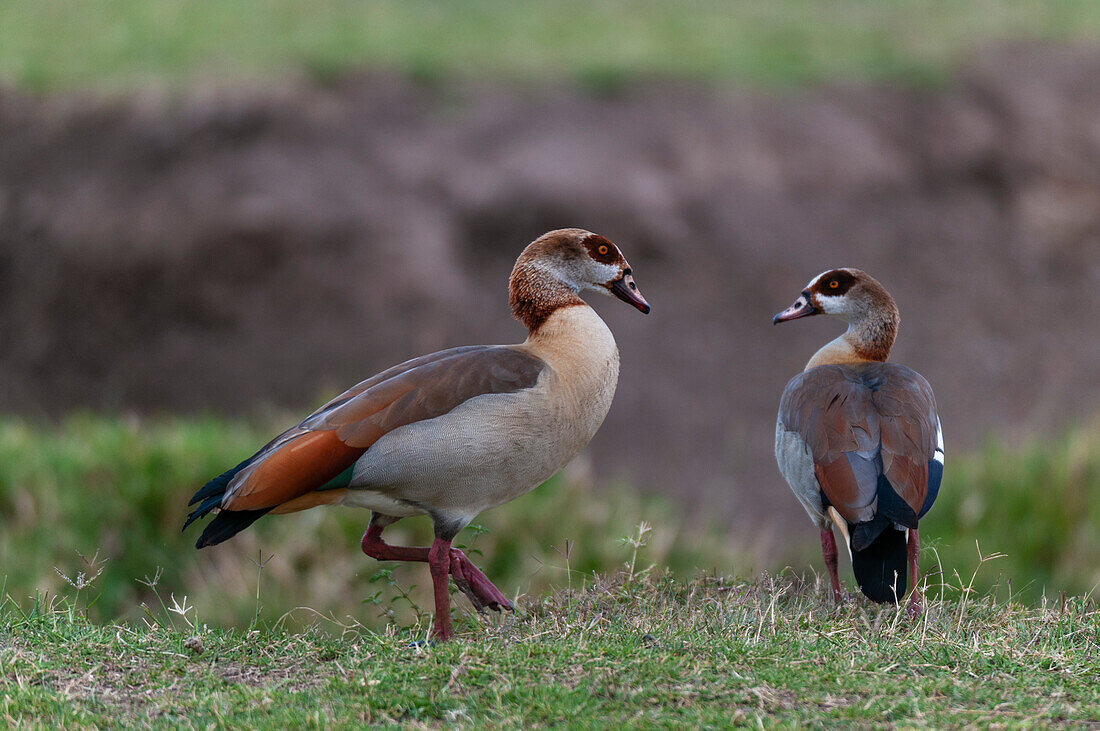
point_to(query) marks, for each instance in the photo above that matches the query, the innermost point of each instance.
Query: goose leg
(828, 551)
(373, 545)
(913, 550)
(469, 579)
(439, 564)
(476, 585)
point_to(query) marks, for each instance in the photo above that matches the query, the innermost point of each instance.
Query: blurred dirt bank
(225, 252)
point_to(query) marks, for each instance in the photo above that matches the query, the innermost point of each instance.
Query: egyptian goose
(858, 439)
(453, 433)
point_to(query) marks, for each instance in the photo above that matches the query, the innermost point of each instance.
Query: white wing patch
(938, 455)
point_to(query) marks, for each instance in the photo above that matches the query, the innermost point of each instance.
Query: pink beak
(802, 307)
(625, 289)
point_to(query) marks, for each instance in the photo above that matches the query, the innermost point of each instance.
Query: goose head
(583, 262)
(849, 294)
(858, 299)
(560, 265)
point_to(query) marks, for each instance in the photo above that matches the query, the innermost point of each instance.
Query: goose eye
(602, 250)
(833, 284)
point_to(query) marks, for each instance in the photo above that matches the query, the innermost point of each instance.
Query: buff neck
(868, 339)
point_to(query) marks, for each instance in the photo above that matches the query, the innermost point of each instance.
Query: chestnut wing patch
(834, 415)
(314, 454)
(907, 408)
(871, 430)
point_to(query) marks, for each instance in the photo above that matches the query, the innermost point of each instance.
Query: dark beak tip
(632, 297)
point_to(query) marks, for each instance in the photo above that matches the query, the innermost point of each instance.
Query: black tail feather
(892, 506)
(216, 487)
(865, 534)
(211, 503)
(227, 524)
(891, 509)
(881, 568)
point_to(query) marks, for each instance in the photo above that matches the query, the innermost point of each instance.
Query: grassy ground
(145, 640)
(1038, 503)
(638, 650)
(49, 44)
(115, 490)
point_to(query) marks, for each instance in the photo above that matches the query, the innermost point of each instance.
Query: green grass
(1037, 502)
(645, 651)
(604, 633)
(115, 490)
(120, 44)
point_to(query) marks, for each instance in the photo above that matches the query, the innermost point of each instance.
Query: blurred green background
(121, 44)
(110, 476)
(113, 487)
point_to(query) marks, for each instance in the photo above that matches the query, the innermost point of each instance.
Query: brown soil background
(229, 252)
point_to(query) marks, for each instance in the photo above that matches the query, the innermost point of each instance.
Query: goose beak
(625, 289)
(802, 307)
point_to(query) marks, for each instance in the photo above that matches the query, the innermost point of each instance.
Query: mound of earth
(229, 252)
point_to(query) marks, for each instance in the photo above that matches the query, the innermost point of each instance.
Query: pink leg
(469, 579)
(476, 585)
(828, 550)
(373, 545)
(913, 550)
(439, 564)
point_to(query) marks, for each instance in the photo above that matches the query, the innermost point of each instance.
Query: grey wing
(796, 464)
(306, 457)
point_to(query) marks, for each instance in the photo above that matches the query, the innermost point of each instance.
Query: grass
(110, 494)
(122, 44)
(150, 631)
(107, 495)
(643, 650)
(1037, 502)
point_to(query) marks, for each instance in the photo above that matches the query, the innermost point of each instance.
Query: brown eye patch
(602, 250)
(835, 283)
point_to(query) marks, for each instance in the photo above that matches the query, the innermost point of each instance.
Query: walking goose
(453, 433)
(859, 440)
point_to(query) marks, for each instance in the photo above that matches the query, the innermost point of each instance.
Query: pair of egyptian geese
(460, 431)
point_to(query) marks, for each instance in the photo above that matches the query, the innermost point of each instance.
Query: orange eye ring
(603, 250)
(834, 284)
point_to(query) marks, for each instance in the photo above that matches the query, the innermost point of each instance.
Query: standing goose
(859, 440)
(453, 433)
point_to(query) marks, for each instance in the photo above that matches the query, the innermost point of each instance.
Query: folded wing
(314, 454)
(872, 432)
